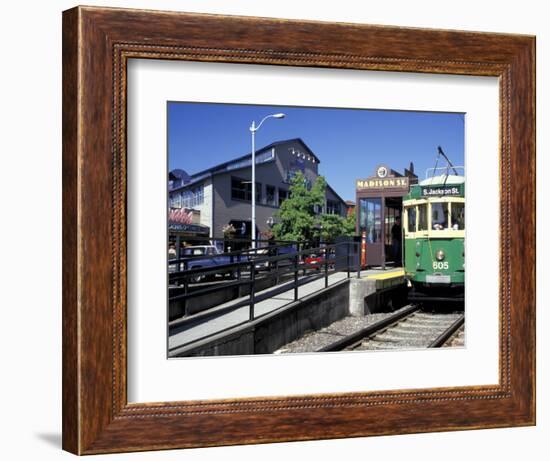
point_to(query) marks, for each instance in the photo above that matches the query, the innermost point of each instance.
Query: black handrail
(238, 253)
(257, 260)
(233, 239)
(240, 263)
(182, 275)
(327, 252)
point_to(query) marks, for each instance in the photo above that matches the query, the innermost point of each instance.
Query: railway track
(409, 328)
(456, 340)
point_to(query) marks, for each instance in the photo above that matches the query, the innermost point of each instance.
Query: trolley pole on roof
(440, 151)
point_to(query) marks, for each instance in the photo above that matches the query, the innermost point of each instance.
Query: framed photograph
(280, 230)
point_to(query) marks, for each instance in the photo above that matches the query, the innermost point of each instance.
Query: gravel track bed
(315, 340)
(417, 332)
(414, 332)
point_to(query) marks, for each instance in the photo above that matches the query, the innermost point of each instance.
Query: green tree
(299, 217)
(349, 224)
(297, 214)
(331, 226)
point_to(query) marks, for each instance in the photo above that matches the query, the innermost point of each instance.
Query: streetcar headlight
(440, 255)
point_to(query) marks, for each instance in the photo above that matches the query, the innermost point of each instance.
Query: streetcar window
(411, 218)
(457, 216)
(423, 217)
(440, 216)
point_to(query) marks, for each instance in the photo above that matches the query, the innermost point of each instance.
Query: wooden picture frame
(97, 42)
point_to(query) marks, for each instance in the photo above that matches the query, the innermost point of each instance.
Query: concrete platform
(387, 278)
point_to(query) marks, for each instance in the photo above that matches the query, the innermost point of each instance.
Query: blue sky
(350, 143)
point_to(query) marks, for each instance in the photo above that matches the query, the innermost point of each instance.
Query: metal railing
(228, 244)
(245, 265)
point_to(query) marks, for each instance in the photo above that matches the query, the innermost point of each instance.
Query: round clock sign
(382, 171)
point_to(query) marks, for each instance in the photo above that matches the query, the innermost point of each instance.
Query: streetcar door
(393, 230)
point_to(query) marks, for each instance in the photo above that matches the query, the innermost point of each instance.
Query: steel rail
(448, 333)
(370, 330)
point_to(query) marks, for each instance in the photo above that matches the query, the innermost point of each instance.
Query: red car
(314, 261)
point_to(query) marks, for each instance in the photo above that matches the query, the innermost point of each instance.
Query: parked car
(315, 261)
(260, 255)
(200, 256)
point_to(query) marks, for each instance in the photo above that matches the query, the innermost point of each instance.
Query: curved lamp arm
(254, 128)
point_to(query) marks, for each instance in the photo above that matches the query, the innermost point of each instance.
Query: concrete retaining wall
(359, 289)
(269, 333)
(368, 296)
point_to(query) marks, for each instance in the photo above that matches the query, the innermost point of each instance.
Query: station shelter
(379, 204)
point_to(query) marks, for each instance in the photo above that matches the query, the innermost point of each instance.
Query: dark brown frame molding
(97, 43)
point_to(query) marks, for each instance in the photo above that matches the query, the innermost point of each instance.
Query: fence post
(348, 245)
(277, 266)
(296, 278)
(239, 291)
(358, 260)
(252, 290)
(185, 288)
(326, 268)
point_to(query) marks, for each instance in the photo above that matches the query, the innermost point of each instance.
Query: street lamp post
(253, 129)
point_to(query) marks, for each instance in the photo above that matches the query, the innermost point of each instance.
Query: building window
(199, 195)
(283, 195)
(175, 201)
(241, 189)
(189, 198)
(333, 207)
(262, 157)
(265, 156)
(270, 195)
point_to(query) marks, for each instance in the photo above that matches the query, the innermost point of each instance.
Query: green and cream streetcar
(434, 236)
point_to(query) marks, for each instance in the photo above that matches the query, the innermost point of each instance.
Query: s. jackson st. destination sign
(455, 190)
